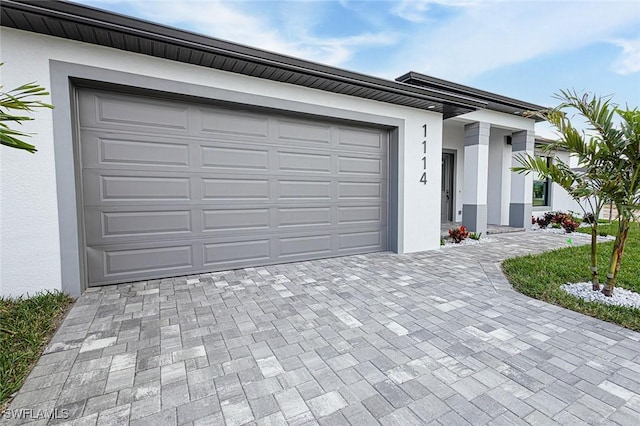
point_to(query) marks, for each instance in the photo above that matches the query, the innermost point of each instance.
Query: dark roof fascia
(450, 104)
(494, 101)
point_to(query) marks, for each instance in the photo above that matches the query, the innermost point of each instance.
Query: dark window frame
(542, 188)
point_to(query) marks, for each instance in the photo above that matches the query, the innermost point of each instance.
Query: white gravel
(621, 296)
(551, 230)
(468, 242)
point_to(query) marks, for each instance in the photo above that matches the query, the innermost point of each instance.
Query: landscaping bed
(540, 276)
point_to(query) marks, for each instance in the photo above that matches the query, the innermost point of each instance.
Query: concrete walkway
(436, 337)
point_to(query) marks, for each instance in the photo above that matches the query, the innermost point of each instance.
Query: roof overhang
(494, 102)
(90, 25)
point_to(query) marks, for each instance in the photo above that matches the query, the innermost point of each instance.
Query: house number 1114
(423, 178)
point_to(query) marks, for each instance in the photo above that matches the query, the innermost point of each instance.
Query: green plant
(442, 241)
(543, 221)
(569, 225)
(26, 324)
(13, 105)
(459, 234)
(475, 236)
(540, 276)
(609, 159)
(556, 225)
(603, 233)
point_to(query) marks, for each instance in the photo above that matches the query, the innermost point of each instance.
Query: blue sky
(523, 49)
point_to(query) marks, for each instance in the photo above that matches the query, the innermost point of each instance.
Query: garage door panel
(360, 166)
(297, 217)
(303, 132)
(360, 214)
(125, 151)
(235, 189)
(232, 123)
(360, 190)
(304, 190)
(231, 189)
(136, 224)
(361, 240)
(304, 245)
(132, 112)
(106, 264)
(238, 159)
(233, 220)
(135, 187)
(361, 139)
(237, 253)
(303, 162)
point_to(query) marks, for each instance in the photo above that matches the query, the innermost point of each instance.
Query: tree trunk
(595, 284)
(616, 257)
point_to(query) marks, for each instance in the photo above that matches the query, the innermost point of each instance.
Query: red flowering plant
(459, 234)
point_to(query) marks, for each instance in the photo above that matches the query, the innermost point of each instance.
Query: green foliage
(26, 324)
(13, 106)
(475, 236)
(609, 154)
(540, 276)
(442, 241)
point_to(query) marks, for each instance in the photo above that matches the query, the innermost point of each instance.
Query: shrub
(543, 221)
(475, 236)
(570, 225)
(459, 234)
(442, 242)
(555, 225)
(603, 233)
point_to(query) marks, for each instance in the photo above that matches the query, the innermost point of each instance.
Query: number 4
(423, 179)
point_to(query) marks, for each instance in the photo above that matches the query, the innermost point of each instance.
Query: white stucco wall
(499, 182)
(498, 119)
(30, 238)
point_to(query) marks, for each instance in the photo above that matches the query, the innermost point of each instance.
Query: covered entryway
(170, 187)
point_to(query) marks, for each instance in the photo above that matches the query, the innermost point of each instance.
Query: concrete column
(476, 175)
(521, 185)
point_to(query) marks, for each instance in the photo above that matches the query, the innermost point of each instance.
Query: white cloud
(418, 10)
(287, 30)
(629, 60)
(495, 34)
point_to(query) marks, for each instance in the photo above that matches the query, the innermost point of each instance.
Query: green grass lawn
(26, 325)
(540, 276)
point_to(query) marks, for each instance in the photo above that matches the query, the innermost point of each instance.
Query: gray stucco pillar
(476, 175)
(521, 185)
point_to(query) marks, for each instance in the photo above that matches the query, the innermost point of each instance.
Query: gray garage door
(175, 188)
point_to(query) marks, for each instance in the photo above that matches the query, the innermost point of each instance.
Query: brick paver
(436, 337)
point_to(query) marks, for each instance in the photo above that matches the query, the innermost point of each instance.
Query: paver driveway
(430, 338)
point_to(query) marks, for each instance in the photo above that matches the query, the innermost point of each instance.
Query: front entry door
(446, 204)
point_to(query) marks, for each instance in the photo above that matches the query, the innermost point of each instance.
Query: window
(541, 188)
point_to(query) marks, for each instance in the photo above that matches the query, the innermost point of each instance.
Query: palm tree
(19, 99)
(582, 187)
(624, 167)
(586, 187)
(610, 157)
